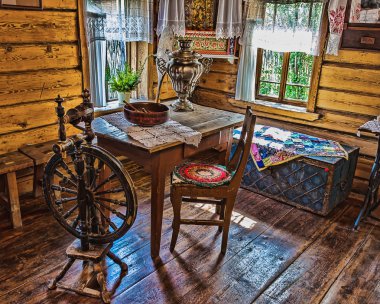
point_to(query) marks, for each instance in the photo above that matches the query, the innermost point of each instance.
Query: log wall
(348, 95)
(39, 59)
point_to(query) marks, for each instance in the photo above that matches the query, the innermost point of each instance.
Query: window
(284, 76)
(281, 53)
(116, 58)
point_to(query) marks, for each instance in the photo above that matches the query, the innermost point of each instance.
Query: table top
(205, 120)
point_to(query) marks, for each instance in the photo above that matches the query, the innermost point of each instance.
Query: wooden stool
(9, 164)
(40, 154)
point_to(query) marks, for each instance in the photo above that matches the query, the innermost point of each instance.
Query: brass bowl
(146, 114)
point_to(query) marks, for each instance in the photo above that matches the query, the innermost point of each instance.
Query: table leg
(157, 204)
(225, 155)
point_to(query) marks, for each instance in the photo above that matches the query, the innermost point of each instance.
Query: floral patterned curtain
(336, 11)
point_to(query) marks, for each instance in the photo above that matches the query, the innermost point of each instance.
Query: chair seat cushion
(201, 174)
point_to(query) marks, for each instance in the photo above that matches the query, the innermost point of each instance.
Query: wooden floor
(276, 254)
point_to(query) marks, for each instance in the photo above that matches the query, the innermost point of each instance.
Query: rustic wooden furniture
(223, 196)
(361, 34)
(9, 164)
(80, 203)
(371, 200)
(40, 154)
(216, 127)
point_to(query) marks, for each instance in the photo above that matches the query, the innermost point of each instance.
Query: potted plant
(124, 82)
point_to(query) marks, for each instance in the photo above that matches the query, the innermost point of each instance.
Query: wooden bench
(9, 164)
(39, 154)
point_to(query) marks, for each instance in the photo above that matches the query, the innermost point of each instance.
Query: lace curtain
(284, 25)
(336, 11)
(171, 14)
(126, 20)
(277, 25)
(229, 21)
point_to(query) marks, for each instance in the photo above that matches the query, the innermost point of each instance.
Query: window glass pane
(269, 89)
(297, 92)
(116, 55)
(300, 68)
(271, 66)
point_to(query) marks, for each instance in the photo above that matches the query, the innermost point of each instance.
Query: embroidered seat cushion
(201, 174)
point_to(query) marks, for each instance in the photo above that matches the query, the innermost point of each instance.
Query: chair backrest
(242, 152)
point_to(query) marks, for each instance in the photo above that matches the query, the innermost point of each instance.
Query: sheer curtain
(96, 44)
(229, 21)
(113, 20)
(171, 14)
(276, 25)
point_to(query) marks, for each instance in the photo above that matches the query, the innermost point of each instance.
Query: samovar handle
(161, 67)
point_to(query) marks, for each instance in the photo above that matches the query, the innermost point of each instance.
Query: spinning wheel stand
(83, 201)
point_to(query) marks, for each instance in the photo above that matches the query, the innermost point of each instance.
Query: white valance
(284, 25)
(171, 15)
(229, 21)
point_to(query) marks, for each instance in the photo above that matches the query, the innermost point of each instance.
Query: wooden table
(216, 127)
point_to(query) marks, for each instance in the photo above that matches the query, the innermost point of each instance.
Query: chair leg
(221, 214)
(13, 199)
(38, 174)
(229, 206)
(176, 201)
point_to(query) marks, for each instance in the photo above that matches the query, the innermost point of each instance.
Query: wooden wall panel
(355, 57)
(354, 103)
(20, 117)
(41, 85)
(13, 141)
(39, 59)
(350, 79)
(20, 58)
(37, 26)
(59, 4)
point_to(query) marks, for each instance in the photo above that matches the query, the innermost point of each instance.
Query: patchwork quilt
(273, 146)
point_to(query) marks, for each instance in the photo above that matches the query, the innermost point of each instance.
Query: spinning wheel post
(95, 210)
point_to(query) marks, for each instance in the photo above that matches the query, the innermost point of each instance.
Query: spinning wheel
(92, 197)
(63, 192)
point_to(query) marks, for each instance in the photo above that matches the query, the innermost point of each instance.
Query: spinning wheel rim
(121, 175)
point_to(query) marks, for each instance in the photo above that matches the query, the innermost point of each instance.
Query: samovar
(185, 67)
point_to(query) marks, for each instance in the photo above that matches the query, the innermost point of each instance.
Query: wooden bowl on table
(146, 114)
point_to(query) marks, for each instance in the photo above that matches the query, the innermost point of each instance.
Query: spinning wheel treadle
(93, 198)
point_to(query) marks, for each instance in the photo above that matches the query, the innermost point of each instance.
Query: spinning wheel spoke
(65, 179)
(63, 189)
(65, 200)
(113, 201)
(74, 224)
(67, 169)
(70, 212)
(114, 190)
(114, 211)
(107, 180)
(106, 218)
(97, 173)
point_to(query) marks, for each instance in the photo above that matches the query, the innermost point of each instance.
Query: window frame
(310, 105)
(283, 81)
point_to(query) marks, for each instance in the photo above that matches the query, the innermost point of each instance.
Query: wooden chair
(9, 164)
(196, 182)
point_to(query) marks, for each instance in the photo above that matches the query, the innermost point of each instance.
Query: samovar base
(182, 106)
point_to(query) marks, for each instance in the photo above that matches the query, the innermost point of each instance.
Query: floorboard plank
(359, 282)
(311, 275)
(247, 274)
